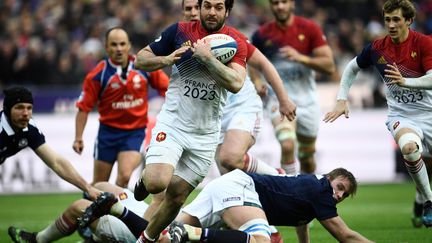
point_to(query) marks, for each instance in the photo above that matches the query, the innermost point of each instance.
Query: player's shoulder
(304, 22)
(267, 27)
(233, 32)
(183, 26)
(33, 128)
(420, 38)
(99, 68)
(380, 43)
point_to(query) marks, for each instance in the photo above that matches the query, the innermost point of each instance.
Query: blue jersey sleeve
(364, 58)
(259, 41)
(36, 137)
(165, 44)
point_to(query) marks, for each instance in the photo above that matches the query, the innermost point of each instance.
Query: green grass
(379, 212)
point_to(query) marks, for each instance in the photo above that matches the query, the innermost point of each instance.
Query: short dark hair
(228, 4)
(344, 173)
(406, 6)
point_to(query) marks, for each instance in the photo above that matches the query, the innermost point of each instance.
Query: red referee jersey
(120, 95)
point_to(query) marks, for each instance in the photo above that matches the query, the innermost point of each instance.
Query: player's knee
(411, 146)
(287, 146)
(155, 186)
(123, 180)
(230, 159)
(259, 228)
(285, 131)
(76, 208)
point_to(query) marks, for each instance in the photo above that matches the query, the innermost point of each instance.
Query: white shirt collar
(7, 127)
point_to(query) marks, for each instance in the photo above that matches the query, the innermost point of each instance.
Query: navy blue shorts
(110, 141)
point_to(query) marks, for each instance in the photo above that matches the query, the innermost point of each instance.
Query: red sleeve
(426, 45)
(242, 50)
(318, 38)
(91, 88)
(250, 50)
(159, 81)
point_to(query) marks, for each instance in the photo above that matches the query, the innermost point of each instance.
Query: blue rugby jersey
(12, 142)
(295, 200)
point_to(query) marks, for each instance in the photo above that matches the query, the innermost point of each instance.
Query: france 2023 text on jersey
(194, 99)
(413, 58)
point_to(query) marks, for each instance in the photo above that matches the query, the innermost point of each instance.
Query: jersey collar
(7, 127)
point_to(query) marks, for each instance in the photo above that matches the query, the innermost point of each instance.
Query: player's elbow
(235, 87)
(330, 69)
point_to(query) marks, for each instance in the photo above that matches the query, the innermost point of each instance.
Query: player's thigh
(158, 174)
(236, 142)
(101, 170)
(246, 116)
(197, 158)
(237, 216)
(128, 161)
(111, 229)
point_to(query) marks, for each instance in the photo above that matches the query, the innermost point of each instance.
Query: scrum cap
(15, 95)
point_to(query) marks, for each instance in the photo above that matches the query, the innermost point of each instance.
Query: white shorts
(307, 117)
(191, 154)
(242, 114)
(422, 126)
(234, 189)
(112, 229)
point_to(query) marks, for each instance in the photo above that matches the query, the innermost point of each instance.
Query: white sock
(418, 197)
(117, 209)
(255, 165)
(419, 175)
(58, 229)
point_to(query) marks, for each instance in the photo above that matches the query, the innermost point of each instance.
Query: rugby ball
(223, 47)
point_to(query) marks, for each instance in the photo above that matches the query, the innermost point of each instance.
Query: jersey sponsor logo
(395, 125)
(127, 104)
(381, 60)
(161, 136)
(229, 199)
(23, 143)
(158, 39)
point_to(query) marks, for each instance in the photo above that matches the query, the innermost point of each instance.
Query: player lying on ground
(248, 203)
(105, 229)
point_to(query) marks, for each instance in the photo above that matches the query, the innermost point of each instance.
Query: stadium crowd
(45, 43)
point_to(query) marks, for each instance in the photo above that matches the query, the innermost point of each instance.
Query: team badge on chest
(22, 143)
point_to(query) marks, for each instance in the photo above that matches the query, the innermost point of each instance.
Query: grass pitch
(380, 212)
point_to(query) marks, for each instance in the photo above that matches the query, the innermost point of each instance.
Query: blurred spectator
(54, 42)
